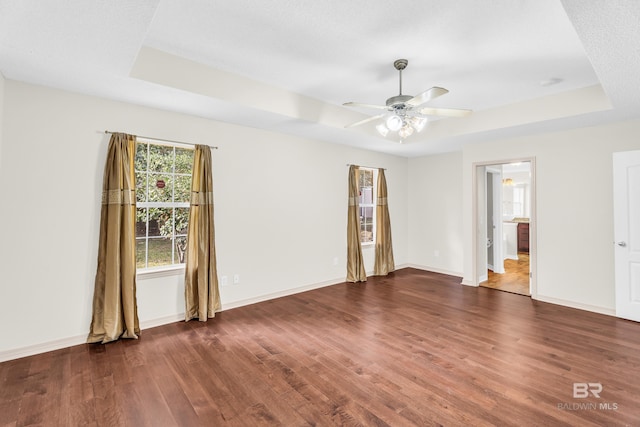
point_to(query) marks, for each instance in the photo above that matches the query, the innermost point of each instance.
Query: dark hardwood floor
(515, 277)
(413, 348)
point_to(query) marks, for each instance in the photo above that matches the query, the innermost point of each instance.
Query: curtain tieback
(201, 198)
(119, 197)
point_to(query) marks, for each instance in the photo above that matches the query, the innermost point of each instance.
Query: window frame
(372, 205)
(174, 268)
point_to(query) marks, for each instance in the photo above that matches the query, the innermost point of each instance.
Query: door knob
(623, 244)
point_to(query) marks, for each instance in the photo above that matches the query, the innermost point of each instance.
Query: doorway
(504, 225)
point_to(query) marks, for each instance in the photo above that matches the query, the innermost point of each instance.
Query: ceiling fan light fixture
(382, 129)
(406, 114)
(418, 123)
(405, 131)
(394, 122)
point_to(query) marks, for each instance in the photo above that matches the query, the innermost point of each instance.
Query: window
(518, 201)
(366, 204)
(513, 201)
(163, 189)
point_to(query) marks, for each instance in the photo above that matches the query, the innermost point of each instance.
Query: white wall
(1, 114)
(53, 158)
(51, 164)
(574, 209)
(435, 213)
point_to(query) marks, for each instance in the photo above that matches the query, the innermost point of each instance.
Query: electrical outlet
(236, 279)
(224, 280)
(436, 253)
(335, 260)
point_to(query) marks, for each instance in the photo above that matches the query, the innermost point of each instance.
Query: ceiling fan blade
(427, 96)
(447, 112)
(368, 119)
(357, 104)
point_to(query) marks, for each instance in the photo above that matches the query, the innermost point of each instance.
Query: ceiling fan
(406, 114)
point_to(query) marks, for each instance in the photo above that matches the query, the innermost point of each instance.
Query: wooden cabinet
(523, 237)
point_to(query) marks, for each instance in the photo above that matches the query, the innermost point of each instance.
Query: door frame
(533, 241)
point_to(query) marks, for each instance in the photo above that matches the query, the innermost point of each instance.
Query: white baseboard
(433, 270)
(578, 305)
(274, 295)
(401, 266)
(152, 323)
(42, 348)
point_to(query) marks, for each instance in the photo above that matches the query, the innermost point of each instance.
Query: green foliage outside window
(163, 189)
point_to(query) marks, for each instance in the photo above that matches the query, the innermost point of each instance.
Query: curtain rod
(362, 166)
(160, 139)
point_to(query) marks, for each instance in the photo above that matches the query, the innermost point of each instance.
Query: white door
(496, 221)
(626, 208)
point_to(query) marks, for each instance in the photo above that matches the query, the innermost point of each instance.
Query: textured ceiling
(287, 66)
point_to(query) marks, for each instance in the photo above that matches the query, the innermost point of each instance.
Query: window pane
(141, 247)
(366, 196)
(184, 160)
(183, 188)
(141, 222)
(141, 156)
(181, 249)
(366, 233)
(160, 188)
(518, 201)
(159, 252)
(141, 186)
(160, 158)
(161, 222)
(181, 220)
(366, 214)
(365, 178)
(366, 206)
(368, 226)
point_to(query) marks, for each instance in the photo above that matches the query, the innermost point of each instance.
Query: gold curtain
(115, 312)
(384, 263)
(355, 264)
(201, 295)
